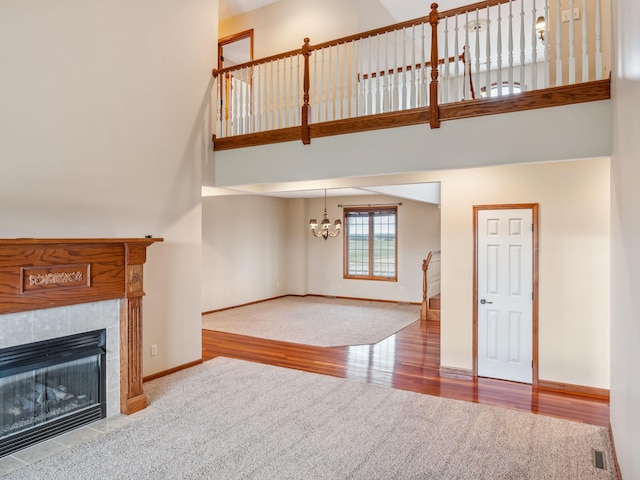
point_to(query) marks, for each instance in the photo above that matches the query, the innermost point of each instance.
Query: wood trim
(361, 299)
(601, 393)
(115, 267)
(231, 39)
(312, 295)
(379, 121)
(249, 303)
(531, 100)
(550, 97)
(535, 304)
(455, 372)
(254, 139)
(164, 373)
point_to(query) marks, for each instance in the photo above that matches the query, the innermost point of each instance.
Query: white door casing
(505, 294)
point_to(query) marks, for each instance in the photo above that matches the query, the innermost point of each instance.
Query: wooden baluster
(413, 101)
(395, 105)
(306, 53)
(522, 47)
(456, 74)
(217, 106)
(289, 92)
(316, 89)
(354, 91)
(445, 70)
(477, 48)
(585, 37)
(510, 47)
(434, 114)
(299, 94)
(599, 71)
(546, 45)
(467, 66)
(369, 82)
(244, 100)
(558, 44)
(337, 89)
(323, 87)
(488, 53)
(271, 99)
(258, 103)
(499, 49)
(423, 69)
(279, 99)
(224, 106)
(234, 107)
(534, 49)
(347, 101)
(330, 87)
(404, 104)
(385, 83)
(572, 47)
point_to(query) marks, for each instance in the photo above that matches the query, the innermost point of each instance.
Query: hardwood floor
(408, 360)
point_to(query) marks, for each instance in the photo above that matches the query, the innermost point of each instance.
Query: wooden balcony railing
(489, 57)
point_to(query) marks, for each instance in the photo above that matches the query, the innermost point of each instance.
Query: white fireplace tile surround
(36, 325)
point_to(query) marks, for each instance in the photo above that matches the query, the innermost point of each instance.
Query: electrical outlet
(154, 349)
(566, 17)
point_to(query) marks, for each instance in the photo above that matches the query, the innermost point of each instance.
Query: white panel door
(505, 294)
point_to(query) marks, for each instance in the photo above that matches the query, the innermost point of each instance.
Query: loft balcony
(491, 57)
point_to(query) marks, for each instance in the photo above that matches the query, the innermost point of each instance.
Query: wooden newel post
(306, 53)
(434, 114)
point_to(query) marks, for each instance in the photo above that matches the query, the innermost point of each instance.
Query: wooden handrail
(292, 53)
(306, 53)
(434, 117)
(408, 68)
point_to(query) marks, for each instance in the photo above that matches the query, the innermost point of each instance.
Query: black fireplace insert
(50, 387)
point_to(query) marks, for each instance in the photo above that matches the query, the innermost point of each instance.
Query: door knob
(483, 301)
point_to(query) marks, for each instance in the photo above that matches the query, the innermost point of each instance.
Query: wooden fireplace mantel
(44, 273)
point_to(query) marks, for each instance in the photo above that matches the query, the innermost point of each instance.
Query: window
(504, 90)
(370, 243)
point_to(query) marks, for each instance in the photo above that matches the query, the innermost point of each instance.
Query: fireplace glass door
(50, 387)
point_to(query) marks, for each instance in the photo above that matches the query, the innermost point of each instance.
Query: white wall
(418, 233)
(104, 125)
(625, 257)
(260, 247)
(245, 252)
(573, 131)
(283, 25)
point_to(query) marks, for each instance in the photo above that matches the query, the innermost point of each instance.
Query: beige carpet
(319, 321)
(229, 419)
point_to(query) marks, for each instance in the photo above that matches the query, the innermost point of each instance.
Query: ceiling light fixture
(325, 226)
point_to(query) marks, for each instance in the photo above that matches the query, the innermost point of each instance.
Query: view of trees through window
(371, 243)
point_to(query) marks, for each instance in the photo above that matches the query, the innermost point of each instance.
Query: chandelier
(325, 226)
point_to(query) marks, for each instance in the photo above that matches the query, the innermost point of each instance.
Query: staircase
(430, 309)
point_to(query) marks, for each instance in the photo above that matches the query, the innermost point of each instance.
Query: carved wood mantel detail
(45, 273)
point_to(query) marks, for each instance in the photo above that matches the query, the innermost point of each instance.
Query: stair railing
(432, 259)
(509, 46)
